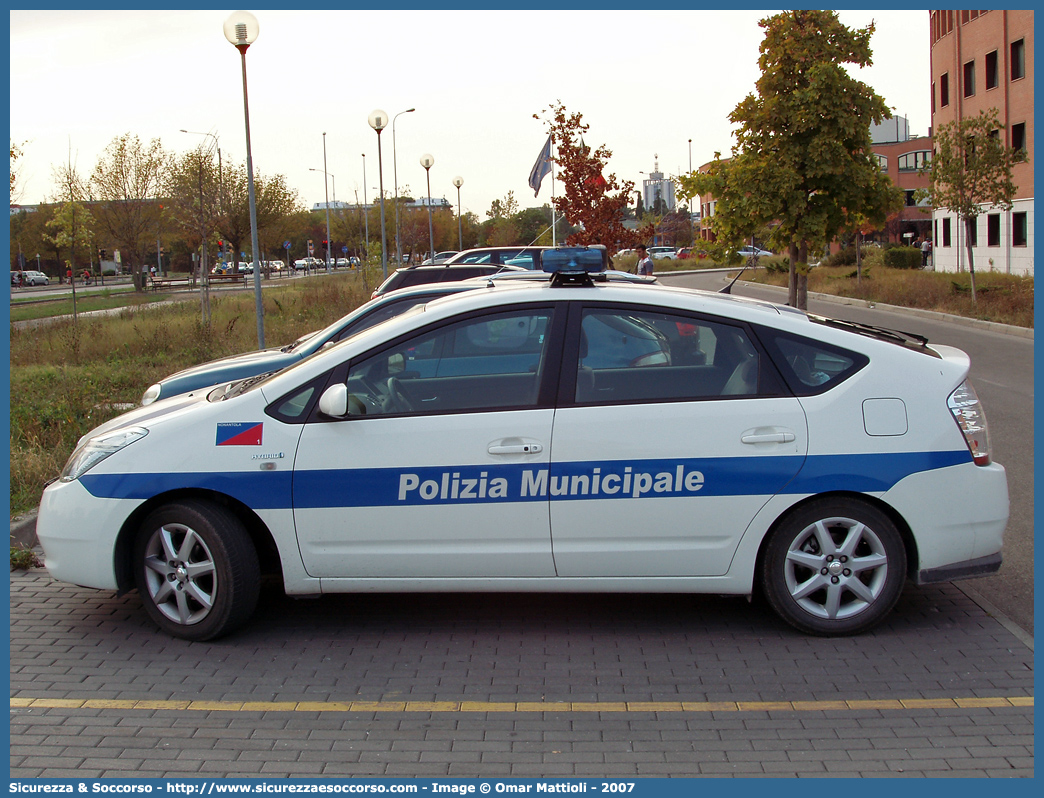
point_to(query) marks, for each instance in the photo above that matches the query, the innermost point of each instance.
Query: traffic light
(325, 242)
(101, 254)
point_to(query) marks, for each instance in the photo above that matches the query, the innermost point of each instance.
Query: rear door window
(644, 355)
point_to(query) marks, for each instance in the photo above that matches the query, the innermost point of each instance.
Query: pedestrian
(926, 250)
(645, 263)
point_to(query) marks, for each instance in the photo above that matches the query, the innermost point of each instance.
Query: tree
(802, 159)
(72, 223)
(16, 154)
(276, 205)
(502, 231)
(126, 182)
(192, 186)
(590, 200)
(534, 226)
(971, 167)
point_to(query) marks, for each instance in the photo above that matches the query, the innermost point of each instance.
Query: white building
(656, 186)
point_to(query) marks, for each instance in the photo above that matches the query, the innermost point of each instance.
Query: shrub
(902, 258)
(843, 257)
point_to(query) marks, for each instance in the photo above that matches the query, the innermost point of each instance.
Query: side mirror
(334, 401)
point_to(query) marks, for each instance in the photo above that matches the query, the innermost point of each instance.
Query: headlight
(94, 450)
(151, 395)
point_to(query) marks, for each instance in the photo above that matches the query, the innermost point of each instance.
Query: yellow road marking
(831, 705)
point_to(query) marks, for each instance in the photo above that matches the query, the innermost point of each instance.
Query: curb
(23, 531)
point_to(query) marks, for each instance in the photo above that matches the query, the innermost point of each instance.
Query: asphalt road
(1002, 373)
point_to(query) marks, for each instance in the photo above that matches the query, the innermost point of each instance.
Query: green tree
(802, 160)
(971, 167)
(126, 184)
(16, 154)
(277, 204)
(274, 202)
(72, 224)
(28, 229)
(591, 200)
(192, 206)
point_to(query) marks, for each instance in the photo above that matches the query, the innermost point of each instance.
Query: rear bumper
(982, 566)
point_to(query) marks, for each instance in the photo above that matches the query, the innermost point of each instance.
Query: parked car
(31, 277)
(754, 252)
(522, 257)
(446, 272)
(251, 364)
(562, 434)
(662, 252)
(440, 257)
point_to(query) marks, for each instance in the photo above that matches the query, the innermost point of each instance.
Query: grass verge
(1000, 298)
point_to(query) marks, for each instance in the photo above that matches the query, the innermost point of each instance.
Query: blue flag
(541, 167)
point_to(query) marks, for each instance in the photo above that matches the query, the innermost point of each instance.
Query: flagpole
(554, 241)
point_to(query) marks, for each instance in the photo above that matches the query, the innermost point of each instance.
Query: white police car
(570, 435)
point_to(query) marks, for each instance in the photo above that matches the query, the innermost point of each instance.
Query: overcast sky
(645, 81)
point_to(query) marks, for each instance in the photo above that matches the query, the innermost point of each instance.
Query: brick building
(982, 60)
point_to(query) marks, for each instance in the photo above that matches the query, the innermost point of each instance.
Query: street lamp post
(692, 224)
(427, 161)
(395, 171)
(458, 181)
(325, 176)
(366, 211)
(241, 30)
(326, 192)
(378, 120)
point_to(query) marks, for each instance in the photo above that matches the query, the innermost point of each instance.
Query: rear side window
(808, 366)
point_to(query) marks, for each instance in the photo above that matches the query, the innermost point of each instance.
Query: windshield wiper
(238, 387)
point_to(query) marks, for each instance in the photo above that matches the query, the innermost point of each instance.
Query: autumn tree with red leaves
(592, 201)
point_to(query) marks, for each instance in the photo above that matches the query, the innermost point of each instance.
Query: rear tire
(834, 567)
(196, 569)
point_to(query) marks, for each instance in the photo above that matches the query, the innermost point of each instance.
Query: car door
(674, 433)
(427, 474)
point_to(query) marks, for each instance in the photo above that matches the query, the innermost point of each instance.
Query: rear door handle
(515, 446)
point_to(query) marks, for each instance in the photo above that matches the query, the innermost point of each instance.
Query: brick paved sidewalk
(98, 692)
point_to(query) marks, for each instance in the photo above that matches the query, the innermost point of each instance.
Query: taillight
(970, 417)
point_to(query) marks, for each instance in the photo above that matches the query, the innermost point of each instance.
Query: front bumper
(78, 532)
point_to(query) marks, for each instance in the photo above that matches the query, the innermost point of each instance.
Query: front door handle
(767, 435)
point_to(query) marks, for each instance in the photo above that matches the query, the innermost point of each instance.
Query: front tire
(834, 567)
(196, 569)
